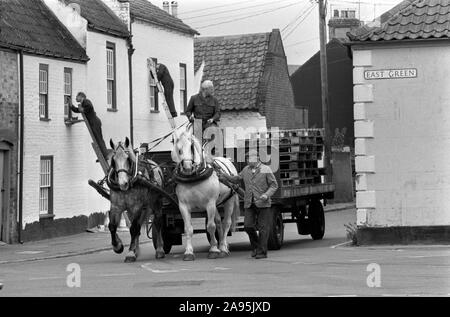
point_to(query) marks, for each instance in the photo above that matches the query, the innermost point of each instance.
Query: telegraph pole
(324, 86)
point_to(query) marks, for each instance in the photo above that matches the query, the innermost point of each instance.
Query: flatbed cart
(299, 199)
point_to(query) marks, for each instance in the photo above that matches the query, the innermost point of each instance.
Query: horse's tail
(236, 213)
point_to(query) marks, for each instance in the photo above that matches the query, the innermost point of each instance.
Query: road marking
(306, 263)
(29, 252)
(222, 268)
(45, 278)
(362, 260)
(350, 295)
(340, 244)
(148, 268)
(117, 274)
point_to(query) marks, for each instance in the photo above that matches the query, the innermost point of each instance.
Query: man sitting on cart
(260, 184)
(204, 106)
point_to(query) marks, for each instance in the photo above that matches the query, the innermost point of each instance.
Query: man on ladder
(167, 82)
(86, 107)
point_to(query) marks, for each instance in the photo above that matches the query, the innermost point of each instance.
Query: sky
(297, 19)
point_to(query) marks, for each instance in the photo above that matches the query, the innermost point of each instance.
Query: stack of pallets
(300, 154)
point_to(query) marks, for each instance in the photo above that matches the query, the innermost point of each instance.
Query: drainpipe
(21, 138)
(130, 79)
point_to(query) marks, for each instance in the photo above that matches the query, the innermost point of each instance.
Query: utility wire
(211, 8)
(311, 8)
(295, 19)
(301, 42)
(245, 17)
(232, 10)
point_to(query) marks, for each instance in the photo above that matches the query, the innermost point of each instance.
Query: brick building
(9, 143)
(251, 79)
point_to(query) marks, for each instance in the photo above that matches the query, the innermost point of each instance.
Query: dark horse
(129, 195)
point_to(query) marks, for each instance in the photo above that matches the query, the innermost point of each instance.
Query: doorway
(4, 194)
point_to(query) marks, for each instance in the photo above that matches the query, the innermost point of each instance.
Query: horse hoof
(223, 255)
(130, 259)
(160, 255)
(213, 255)
(118, 249)
(188, 257)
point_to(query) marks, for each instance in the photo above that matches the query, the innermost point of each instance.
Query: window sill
(111, 110)
(46, 216)
(72, 121)
(45, 119)
(154, 111)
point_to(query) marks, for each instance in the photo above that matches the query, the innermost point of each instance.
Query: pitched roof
(235, 64)
(146, 11)
(31, 26)
(100, 17)
(411, 19)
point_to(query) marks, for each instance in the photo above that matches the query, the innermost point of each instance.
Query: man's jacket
(256, 184)
(203, 108)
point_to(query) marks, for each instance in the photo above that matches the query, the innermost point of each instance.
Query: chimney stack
(166, 6)
(175, 9)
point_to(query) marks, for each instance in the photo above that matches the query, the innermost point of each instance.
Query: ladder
(152, 67)
(103, 163)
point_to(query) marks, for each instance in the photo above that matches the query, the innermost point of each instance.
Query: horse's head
(122, 160)
(187, 151)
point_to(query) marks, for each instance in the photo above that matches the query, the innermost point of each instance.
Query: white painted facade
(115, 124)
(170, 48)
(66, 144)
(402, 131)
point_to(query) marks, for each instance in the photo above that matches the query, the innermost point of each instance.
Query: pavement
(303, 267)
(86, 243)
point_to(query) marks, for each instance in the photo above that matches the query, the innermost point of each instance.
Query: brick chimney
(341, 22)
(122, 9)
(175, 9)
(166, 6)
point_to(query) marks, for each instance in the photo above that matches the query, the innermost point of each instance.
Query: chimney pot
(166, 6)
(175, 9)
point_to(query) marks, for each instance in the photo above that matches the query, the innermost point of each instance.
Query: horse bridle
(129, 173)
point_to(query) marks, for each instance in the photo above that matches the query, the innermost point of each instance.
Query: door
(2, 192)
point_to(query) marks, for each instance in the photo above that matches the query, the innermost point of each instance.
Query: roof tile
(145, 10)
(238, 82)
(100, 17)
(411, 19)
(31, 26)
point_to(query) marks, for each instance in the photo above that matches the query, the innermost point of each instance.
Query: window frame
(111, 47)
(68, 115)
(50, 210)
(183, 91)
(44, 68)
(154, 109)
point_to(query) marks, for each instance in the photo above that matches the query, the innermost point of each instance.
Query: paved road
(302, 267)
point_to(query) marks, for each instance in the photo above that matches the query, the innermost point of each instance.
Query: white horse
(204, 195)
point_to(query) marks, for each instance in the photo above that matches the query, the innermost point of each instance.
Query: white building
(54, 66)
(402, 125)
(159, 35)
(106, 41)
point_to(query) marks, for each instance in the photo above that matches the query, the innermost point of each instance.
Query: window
(111, 75)
(67, 92)
(183, 88)
(153, 92)
(46, 185)
(43, 91)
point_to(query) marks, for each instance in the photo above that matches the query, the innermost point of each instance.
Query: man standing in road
(260, 184)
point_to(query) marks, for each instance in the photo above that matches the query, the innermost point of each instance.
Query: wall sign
(390, 73)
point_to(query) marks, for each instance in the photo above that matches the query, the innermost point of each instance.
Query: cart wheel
(207, 233)
(316, 220)
(276, 235)
(167, 240)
